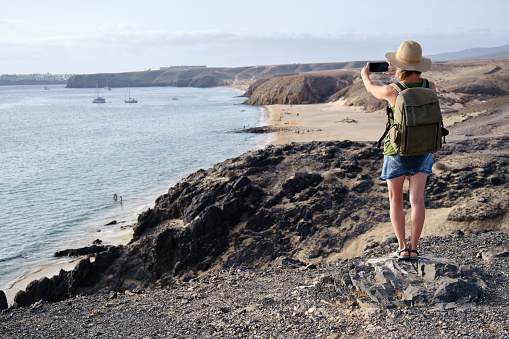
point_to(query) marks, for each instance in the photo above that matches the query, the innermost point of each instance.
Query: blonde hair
(402, 74)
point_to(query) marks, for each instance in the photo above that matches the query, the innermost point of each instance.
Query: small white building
(165, 68)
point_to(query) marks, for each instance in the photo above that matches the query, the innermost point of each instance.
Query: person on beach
(407, 64)
(115, 196)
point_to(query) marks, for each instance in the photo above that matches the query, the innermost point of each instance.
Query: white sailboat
(130, 100)
(99, 99)
(107, 87)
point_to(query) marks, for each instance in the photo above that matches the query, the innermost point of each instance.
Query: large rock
(3, 301)
(493, 253)
(75, 252)
(305, 88)
(68, 283)
(431, 281)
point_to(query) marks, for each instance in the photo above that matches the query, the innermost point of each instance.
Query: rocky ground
(287, 299)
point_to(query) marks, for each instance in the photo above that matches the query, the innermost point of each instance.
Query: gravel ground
(281, 301)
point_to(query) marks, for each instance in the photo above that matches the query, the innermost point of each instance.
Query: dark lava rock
(425, 282)
(3, 301)
(67, 283)
(81, 251)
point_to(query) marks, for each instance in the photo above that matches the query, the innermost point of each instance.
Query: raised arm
(386, 92)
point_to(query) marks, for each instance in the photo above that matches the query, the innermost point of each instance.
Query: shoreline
(121, 236)
(93, 224)
(97, 227)
(323, 122)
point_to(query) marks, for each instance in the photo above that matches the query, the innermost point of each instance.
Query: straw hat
(409, 57)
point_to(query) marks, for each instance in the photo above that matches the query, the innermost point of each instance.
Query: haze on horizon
(57, 36)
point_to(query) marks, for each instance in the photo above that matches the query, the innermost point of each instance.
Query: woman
(407, 64)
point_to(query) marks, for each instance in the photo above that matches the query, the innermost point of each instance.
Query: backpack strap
(387, 126)
(399, 86)
(426, 83)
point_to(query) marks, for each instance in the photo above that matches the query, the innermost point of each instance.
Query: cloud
(128, 48)
(9, 23)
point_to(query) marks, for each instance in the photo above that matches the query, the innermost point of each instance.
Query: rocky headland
(291, 241)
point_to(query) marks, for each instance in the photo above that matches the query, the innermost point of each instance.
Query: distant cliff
(239, 77)
(201, 77)
(312, 88)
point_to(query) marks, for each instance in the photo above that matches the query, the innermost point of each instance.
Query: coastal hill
(460, 84)
(237, 77)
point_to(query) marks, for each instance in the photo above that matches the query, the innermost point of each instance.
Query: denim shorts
(396, 165)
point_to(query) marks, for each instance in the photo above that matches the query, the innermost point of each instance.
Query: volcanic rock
(76, 252)
(3, 301)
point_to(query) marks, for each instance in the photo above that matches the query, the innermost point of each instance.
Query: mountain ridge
(480, 53)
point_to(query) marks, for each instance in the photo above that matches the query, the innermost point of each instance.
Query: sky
(110, 36)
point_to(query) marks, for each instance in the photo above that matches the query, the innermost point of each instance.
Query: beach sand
(331, 121)
(322, 122)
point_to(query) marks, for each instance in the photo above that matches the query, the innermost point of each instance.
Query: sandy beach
(332, 121)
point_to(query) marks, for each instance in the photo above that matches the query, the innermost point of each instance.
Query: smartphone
(378, 67)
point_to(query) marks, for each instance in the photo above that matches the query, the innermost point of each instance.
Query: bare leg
(397, 213)
(416, 192)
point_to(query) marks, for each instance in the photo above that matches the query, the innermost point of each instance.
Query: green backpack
(417, 126)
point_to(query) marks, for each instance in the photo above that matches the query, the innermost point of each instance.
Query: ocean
(62, 159)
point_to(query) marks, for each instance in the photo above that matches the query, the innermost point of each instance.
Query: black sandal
(397, 254)
(413, 258)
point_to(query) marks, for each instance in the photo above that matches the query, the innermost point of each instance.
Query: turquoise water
(62, 158)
